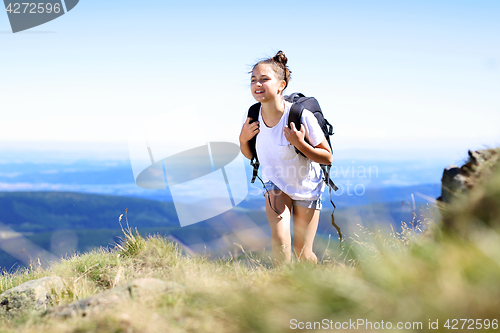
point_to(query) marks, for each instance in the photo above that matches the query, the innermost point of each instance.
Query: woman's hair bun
(281, 58)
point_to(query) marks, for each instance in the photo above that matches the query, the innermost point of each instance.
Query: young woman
(293, 182)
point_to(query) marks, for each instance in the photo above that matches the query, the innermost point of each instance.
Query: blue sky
(392, 76)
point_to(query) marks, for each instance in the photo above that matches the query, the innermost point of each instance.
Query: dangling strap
(268, 195)
(254, 162)
(331, 185)
(328, 180)
(333, 217)
(337, 227)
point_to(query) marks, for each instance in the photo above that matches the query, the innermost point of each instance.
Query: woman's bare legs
(305, 224)
(280, 225)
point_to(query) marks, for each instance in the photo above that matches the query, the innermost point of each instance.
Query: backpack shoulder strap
(294, 116)
(253, 112)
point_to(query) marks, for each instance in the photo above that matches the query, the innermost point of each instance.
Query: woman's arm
(248, 132)
(321, 153)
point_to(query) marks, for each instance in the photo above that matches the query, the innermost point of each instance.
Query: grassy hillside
(420, 277)
(401, 278)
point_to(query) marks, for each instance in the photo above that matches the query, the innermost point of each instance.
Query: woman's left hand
(293, 136)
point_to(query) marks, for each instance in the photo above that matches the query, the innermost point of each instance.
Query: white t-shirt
(294, 174)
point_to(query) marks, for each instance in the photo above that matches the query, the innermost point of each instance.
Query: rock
(479, 180)
(453, 183)
(34, 295)
(138, 289)
(478, 156)
(459, 180)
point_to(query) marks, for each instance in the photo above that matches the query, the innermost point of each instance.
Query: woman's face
(264, 84)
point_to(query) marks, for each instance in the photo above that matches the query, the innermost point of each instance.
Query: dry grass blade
(132, 243)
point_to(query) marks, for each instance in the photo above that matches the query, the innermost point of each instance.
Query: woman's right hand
(249, 130)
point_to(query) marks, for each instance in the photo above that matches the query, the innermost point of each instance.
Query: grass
(419, 274)
(132, 243)
(397, 278)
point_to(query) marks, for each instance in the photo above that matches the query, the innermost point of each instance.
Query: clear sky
(409, 76)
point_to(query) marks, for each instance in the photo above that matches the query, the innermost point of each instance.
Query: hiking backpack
(299, 103)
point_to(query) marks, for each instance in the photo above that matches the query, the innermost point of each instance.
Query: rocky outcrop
(36, 295)
(458, 180)
(452, 183)
(139, 289)
(470, 198)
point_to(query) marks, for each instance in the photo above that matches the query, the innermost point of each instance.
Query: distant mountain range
(116, 177)
(48, 211)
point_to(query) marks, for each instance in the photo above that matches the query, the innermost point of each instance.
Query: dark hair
(278, 64)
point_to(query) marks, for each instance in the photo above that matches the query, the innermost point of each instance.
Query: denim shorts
(314, 204)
